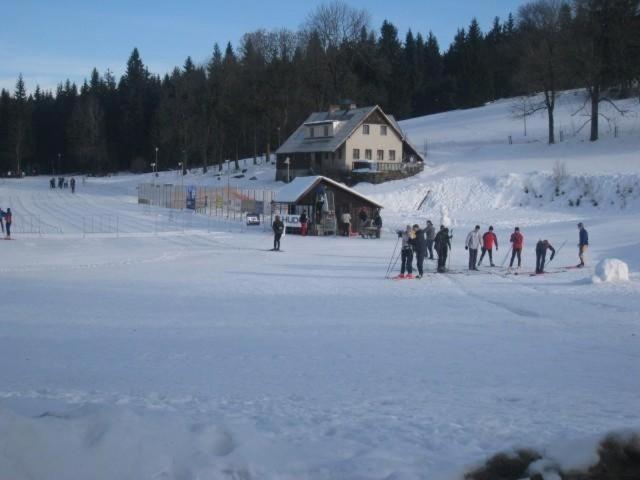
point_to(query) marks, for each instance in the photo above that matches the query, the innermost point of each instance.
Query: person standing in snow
(517, 242)
(442, 243)
(541, 254)
(431, 236)
(346, 223)
(583, 244)
(406, 253)
(72, 182)
(278, 230)
(489, 239)
(304, 223)
(473, 243)
(7, 221)
(2, 214)
(420, 245)
(377, 222)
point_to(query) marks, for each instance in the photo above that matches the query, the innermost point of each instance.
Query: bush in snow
(505, 466)
(611, 270)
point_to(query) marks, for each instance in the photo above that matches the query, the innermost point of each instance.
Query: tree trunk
(595, 101)
(552, 137)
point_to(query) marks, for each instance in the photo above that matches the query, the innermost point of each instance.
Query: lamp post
(59, 156)
(181, 185)
(278, 138)
(153, 170)
(287, 162)
(156, 164)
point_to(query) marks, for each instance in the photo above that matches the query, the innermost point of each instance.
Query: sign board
(253, 219)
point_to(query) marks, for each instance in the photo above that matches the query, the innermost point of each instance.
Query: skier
(377, 222)
(304, 223)
(583, 245)
(73, 185)
(517, 242)
(473, 243)
(541, 254)
(431, 235)
(443, 244)
(408, 241)
(278, 230)
(7, 221)
(420, 245)
(488, 240)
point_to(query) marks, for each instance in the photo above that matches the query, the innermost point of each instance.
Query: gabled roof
(301, 186)
(347, 122)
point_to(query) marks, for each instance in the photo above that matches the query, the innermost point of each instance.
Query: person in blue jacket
(583, 246)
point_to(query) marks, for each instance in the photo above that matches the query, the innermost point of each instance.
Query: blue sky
(50, 41)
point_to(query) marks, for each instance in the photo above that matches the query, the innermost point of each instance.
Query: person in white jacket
(473, 243)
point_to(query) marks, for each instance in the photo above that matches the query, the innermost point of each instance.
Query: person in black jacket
(420, 247)
(541, 254)
(442, 244)
(278, 230)
(377, 222)
(431, 237)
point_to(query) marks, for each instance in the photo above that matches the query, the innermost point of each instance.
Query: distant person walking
(517, 242)
(473, 243)
(345, 219)
(7, 221)
(278, 230)
(541, 254)
(489, 239)
(430, 232)
(583, 244)
(72, 182)
(377, 222)
(304, 223)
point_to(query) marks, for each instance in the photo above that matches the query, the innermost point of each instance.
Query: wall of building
(374, 142)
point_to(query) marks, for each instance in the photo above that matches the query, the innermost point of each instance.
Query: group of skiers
(5, 222)
(422, 241)
(62, 183)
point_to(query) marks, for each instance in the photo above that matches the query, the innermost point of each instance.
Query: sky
(49, 41)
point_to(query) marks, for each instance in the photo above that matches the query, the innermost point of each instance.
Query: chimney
(334, 108)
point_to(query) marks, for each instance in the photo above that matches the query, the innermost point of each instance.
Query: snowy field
(196, 353)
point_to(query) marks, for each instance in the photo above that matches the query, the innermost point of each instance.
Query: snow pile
(611, 270)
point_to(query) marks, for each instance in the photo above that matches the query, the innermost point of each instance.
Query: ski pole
(557, 252)
(389, 268)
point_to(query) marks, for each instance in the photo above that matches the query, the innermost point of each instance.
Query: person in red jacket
(517, 242)
(489, 239)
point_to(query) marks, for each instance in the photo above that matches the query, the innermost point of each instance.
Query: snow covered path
(204, 353)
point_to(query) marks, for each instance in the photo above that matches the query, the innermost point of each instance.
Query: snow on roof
(300, 186)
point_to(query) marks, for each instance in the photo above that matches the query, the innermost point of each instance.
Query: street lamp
(156, 164)
(153, 170)
(180, 164)
(287, 162)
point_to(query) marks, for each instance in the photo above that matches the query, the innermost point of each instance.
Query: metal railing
(379, 167)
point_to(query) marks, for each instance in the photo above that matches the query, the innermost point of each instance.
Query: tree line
(244, 102)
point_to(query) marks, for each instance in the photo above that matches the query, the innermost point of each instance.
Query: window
(326, 130)
(365, 129)
(367, 154)
(380, 155)
(356, 154)
(312, 132)
(392, 155)
(383, 130)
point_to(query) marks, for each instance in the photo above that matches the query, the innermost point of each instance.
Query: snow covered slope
(181, 348)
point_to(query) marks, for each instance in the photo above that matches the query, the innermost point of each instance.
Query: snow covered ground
(190, 351)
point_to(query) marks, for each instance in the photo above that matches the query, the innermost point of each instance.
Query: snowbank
(611, 270)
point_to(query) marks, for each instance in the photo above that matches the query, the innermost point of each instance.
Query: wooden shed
(324, 201)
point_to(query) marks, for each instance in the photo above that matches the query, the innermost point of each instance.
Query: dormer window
(365, 129)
